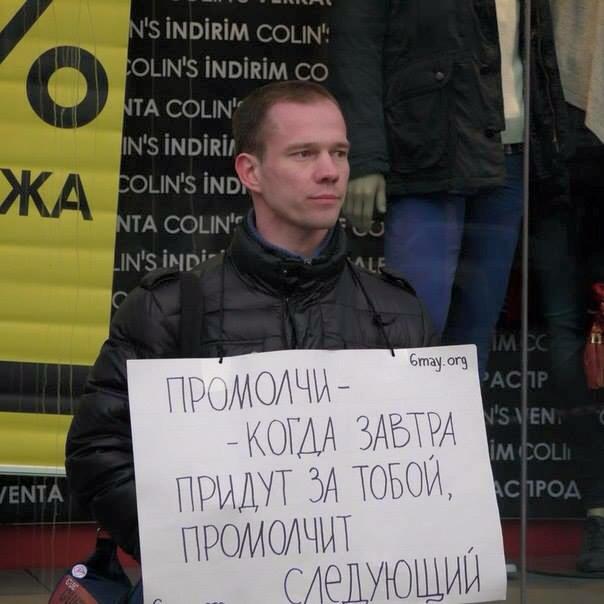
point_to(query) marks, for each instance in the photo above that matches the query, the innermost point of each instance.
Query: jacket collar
(282, 273)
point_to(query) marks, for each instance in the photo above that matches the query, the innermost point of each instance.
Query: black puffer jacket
(253, 299)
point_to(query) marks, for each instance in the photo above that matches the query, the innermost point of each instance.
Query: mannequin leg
(422, 242)
(490, 236)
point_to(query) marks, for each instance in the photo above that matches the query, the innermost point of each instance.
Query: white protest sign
(315, 477)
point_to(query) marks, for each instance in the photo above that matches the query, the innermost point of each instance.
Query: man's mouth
(325, 197)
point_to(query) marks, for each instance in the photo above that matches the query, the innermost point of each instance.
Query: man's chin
(325, 217)
(325, 223)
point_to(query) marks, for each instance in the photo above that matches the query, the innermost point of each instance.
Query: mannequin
(421, 87)
(568, 256)
(433, 98)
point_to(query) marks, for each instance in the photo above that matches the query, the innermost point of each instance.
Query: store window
(500, 235)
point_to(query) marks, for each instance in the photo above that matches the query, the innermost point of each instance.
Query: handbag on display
(593, 357)
(100, 579)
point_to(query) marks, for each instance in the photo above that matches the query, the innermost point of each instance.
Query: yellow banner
(62, 81)
(32, 442)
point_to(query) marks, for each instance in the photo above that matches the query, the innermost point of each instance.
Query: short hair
(249, 118)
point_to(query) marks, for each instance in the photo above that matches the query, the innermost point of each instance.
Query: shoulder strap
(397, 279)
(191, 311)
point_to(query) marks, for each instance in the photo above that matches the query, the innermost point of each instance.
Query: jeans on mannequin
(457, 251)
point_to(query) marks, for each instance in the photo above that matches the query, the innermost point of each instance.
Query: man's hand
(364, 194)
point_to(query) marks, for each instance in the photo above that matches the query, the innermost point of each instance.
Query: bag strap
(191, 311)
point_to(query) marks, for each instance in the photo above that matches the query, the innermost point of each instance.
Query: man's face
(303, 174)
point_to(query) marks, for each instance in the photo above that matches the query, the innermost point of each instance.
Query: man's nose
(326, 168)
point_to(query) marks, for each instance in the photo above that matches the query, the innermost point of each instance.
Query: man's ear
(247, 167)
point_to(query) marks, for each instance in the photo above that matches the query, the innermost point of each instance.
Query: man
(284, 282)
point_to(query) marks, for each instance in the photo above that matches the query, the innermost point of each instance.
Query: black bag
(100, 579)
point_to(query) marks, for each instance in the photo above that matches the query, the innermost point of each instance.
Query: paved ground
(33, 587)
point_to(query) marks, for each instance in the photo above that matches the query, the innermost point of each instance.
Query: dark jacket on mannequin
(254, 299)
(550, 132)
(420, 85)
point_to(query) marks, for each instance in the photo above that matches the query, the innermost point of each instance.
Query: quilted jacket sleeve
(357, 36)
(99, 459)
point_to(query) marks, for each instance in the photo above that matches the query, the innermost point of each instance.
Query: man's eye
(303, 153)
(341, 154)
